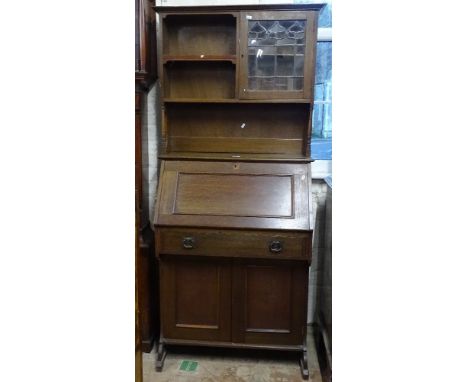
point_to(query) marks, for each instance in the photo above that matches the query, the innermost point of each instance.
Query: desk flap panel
(234, 195)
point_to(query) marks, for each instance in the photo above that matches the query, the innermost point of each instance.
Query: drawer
(233, 243)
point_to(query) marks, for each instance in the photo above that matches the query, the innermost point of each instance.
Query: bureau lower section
(234, 247)
(233, 288)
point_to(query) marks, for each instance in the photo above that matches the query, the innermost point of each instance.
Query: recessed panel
(268, 299)
(197, 295)
(234, 195)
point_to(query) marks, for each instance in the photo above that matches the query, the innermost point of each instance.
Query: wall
(319, 196)
(151, 119)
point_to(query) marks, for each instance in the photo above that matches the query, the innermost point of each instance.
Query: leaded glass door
(276, 50)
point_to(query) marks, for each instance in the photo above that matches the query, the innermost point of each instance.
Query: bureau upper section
(237, 79)
(234, 195)
(228, 54)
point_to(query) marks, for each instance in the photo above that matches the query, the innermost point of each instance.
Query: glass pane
(298, 65)
(298, 83)
(321, 147)
(323, 70)
(285, 66)
(252, 65)
(286, 41)
(325, 17)
(265, 65)
(252, 83)
(321, 127)
(300, 49)
(276, 54)
(285, 50)
(271, 50)
(267, 83)
(281, 83)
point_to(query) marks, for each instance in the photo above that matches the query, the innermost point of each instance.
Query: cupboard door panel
(269, 302)
(196, 298)
(277, 54)
(267, 299)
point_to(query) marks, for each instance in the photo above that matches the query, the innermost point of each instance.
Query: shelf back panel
(237, 128)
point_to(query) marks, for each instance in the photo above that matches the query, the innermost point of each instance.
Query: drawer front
(233, 243)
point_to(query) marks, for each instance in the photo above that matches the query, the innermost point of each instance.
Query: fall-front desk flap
(234, 195)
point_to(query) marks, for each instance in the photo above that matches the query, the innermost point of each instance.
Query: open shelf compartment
(200, 35)
(200, 80)
(237, 128)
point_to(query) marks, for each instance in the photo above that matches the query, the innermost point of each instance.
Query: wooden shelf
(284, 158)
(235, 8)
(233, 100)
(200, 58)
(274, 46)
(276, 76)
(277, 55)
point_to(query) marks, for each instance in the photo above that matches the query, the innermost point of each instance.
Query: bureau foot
(161, 356)
(304, 365)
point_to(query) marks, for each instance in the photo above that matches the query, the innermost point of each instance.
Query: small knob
(276, 246)
(188, 242)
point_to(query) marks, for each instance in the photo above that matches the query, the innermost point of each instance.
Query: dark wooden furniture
(322, 326)
(233, 219)
(145, 74)
(138, 355)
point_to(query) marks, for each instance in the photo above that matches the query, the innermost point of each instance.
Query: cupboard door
(269, 302)
(196, 298)
(277, 54)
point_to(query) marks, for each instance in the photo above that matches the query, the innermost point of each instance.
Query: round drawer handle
(188, 242)
(276, 246)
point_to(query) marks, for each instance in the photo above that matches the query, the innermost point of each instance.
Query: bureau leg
(304, 364)
(161, 356)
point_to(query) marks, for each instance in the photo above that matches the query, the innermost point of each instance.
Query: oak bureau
(234, 219)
